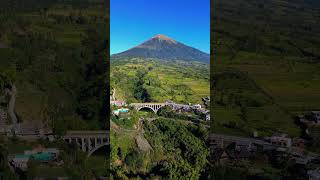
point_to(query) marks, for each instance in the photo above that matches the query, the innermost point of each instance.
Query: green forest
(165, 148)
(266, 67)
(265, 74)
(53, 52)
(166, 144)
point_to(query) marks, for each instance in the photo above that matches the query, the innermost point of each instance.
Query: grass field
(159, 80)
(51, 51)
(164, 80)
(42, 48)
(265, 64)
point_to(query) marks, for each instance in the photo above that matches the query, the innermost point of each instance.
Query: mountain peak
(163, 47)
(162, 37)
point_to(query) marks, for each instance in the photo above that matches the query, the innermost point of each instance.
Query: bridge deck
(86, 134)
(137, 104)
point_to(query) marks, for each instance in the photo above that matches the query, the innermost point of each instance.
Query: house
(118, 103)
(300, 157)
(299, 142)
(314, 174)
(245, 145)
(20, 162)
(206, 100)
(203, 111)
(3, 115)
(315, 116)
(196, 106)
(3, 120)
(208, 117)
(218, 155)
(281, 140)
(311, 119)
(169, 102)
(242, 150)
(181, 107)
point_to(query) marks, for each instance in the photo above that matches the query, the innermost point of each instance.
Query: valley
(178, 81)
(52, 82)
(265, 82)
(160, 115)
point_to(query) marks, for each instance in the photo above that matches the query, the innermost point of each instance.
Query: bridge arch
(96, 148)
(161, 108)
(140, 108)
(153, 106)
(88, 141)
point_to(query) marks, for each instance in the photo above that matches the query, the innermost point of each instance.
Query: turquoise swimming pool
(122, 110)
(43, 156)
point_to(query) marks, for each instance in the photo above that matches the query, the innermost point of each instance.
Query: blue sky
(135, 21)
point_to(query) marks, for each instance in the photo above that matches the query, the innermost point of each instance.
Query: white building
(196, 106)
(118, 103)
(314, 174)
(20, 163)
(208, 117)
(316, 116)
(281, 140)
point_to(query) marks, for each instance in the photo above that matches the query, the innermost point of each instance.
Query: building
(242, 150)
(3, 120)
(281, 140)
(315, 116)
(196, 106)
(314, 174)
(299, 142)
(206, 100)
(243, 145)
(311, 119)
(208, 117)
(20, 161)
(118, 103)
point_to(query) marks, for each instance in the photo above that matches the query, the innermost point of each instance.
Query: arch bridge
(153, 106)
(88, 141)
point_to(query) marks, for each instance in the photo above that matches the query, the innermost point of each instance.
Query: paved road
(237, 138)
(260, 142)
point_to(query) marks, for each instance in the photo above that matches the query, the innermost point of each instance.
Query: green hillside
(179, 81)
(54, 53)
(266, 67)
(167, 144)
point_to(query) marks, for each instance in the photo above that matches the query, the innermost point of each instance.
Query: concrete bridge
(88, 141)
(156, 106)
(153, 106)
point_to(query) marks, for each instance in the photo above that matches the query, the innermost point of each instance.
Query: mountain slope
(163, 47)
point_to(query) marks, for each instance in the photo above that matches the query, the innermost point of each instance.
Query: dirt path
(12, 94)
(140, 140)
(142, 143)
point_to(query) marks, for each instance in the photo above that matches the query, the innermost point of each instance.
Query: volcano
(164, 47)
